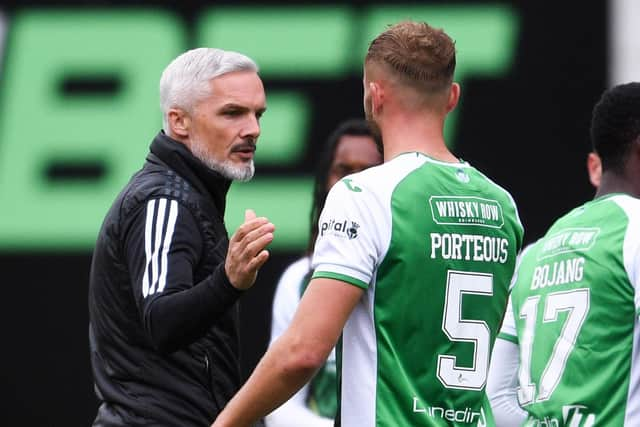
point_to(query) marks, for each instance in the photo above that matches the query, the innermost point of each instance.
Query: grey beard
(226, 169)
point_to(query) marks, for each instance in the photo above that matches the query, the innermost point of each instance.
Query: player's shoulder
(630, 205)
(602, 208)
(366, 184)
(388, 171)
(492, 188)
(528, 253)
(381, 179)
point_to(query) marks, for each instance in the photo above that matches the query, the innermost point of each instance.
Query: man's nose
(251, 127)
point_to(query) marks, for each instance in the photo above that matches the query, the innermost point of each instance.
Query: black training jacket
(163, 316)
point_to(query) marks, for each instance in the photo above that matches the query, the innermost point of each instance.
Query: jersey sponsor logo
(351, 187)
(469, 247)
(572, 416)
(466, 415)
(567, 241)
(559, 273)
(343, 228)
(542, 422)
(466, 210)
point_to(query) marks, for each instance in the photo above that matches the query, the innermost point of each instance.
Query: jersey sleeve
(631, 244)
(634, 272)
(502, 385)
(508, 330)
(162, 246)
(631, 248)
(348, 246)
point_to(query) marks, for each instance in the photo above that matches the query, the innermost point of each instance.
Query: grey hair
(185, 81)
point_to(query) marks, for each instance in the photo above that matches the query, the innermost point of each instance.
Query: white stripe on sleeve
(147, 246)
(173, 215)
(157, 241)
(162, 205)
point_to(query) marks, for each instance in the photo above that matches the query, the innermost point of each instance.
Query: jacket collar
(179, 158)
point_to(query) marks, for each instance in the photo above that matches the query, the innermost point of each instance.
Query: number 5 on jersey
(477, 332)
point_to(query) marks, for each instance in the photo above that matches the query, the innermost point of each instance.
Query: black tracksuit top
(163, 315)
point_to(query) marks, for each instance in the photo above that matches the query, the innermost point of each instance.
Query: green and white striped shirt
(433, 245)
(574, 315)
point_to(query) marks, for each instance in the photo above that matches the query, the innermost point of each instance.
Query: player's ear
(594, 167)
(179, 123)
(454, 96)
(377, 97)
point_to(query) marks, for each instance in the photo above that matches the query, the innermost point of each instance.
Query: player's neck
(407, 133)
(614, 183)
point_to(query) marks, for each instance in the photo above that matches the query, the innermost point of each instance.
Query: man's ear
(594, 168)
(454, 96)
(377, 97)
(179, 123)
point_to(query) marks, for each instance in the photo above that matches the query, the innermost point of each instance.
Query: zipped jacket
(163, 315)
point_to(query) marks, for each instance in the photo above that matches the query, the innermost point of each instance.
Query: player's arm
(327, 303)
(502, 382)
(295, 357)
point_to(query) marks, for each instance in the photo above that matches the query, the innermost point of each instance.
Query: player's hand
(247, 251)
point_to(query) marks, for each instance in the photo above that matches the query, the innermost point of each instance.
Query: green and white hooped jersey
(434, 246)
(574, 313)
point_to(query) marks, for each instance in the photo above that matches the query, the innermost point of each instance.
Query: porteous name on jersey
(464, 211)
(563, 271)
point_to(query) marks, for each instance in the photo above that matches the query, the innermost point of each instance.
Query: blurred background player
(413, 260)
(350, 148)
(569, 341)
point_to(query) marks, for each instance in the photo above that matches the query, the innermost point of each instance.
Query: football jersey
(574, 315)
(433, 245)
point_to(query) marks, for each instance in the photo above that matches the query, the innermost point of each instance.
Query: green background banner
(79, 107)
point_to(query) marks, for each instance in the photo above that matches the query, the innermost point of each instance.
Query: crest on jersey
(352, 231)
(350, 186)
(462, 176)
